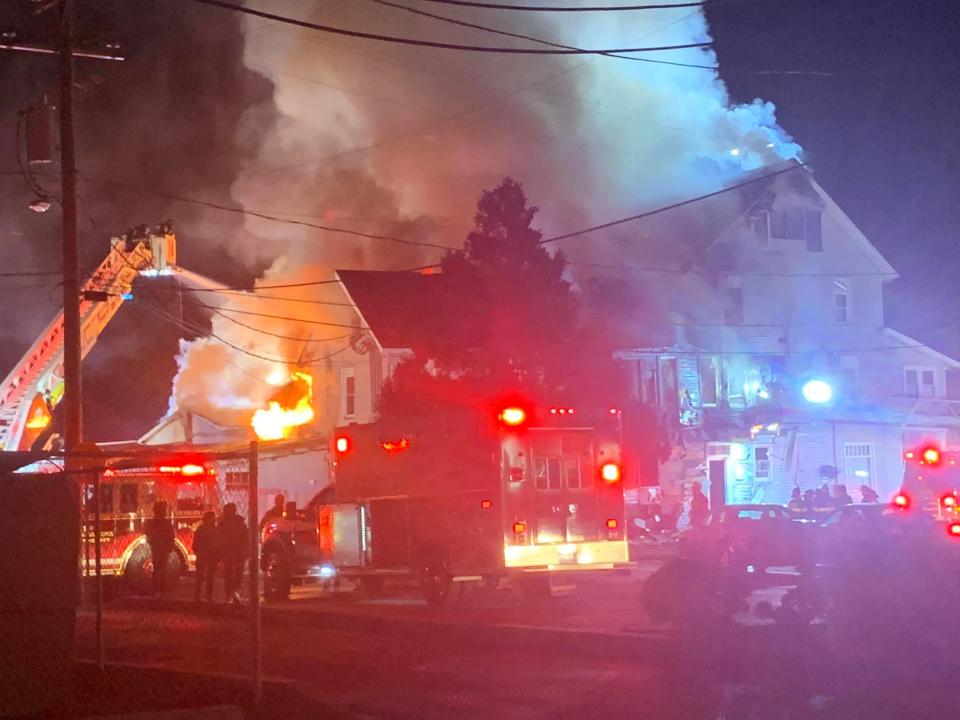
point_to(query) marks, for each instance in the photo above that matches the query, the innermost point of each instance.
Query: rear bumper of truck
(581, 556)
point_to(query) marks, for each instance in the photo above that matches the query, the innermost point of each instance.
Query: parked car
(748, 538)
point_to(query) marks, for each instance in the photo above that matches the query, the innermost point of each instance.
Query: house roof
(393, 304)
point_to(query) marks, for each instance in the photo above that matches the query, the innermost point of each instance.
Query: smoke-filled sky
(400, 141)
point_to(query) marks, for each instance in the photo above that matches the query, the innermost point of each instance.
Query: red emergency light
(612, 523)
(342, 444)
(901, 500)
(953, 529)
(519, 528)
(931, 456)
(610, 472)
(949, 500)
(909, 455)
(486, 504)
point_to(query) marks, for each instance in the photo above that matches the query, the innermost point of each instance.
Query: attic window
(798, 223)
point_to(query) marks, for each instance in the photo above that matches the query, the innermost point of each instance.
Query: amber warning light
(513, 416)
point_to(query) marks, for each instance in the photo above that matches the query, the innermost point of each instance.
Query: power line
(440, 45)
(28, 273)
(574, 8)
(521, 36)
(278, 317)
(666, 208)
(265, 216)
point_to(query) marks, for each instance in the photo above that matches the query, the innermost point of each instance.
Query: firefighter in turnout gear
(160, 538)
(234, 542)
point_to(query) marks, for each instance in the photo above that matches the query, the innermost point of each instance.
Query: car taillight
(953, 529)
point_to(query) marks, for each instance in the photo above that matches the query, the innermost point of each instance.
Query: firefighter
(868, 494)
(234, 542)
(699, 507)
(276, 512)
(160, 538)
(796, 503)
(206, 548)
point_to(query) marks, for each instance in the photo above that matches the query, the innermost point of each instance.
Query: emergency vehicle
(127, 497)
(536, 495)
(931, 483)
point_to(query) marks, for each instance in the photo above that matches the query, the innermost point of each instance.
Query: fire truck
(537, 494)
(126, 502)
(931, 483)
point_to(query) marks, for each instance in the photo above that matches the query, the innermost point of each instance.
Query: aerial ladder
(35, 386)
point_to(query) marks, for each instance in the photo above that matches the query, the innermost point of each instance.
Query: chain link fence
(169, 561)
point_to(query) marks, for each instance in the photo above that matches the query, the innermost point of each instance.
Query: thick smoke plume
(400, 141)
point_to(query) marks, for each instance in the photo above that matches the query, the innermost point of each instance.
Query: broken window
(708, 381)
(733, 307)
(798, 223)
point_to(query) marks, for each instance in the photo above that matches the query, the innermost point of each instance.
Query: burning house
(758, 333)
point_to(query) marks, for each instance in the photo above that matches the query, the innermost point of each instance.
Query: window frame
(842, 288)
(756, 462)
(348, 400)
(851, 480)
(920, 370)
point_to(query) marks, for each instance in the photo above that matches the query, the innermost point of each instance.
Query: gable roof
(392, 304)
(853, 231)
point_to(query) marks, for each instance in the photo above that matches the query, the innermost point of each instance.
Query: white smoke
(400, 141)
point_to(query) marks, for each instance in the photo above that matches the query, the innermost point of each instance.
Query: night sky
(879, 129)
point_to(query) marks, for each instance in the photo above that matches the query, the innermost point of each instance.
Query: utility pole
(72, 376)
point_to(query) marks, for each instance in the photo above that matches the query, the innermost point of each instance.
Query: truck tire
(276, 575)
(435, 583)
(138, 572)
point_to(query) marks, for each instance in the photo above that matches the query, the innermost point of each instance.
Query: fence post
(253, 489)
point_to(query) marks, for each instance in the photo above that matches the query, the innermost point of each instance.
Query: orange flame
(291, 407)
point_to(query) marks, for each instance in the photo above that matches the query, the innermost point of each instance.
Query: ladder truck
(32, 390)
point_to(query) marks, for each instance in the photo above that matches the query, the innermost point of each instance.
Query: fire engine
(931, 482)
(126, 501)
(532, 497)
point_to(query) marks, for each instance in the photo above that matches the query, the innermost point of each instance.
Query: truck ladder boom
(39, 374)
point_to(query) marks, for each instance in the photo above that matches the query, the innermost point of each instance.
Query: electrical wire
(265, 216)
(438, 45)
(575, 8)
(484, 28)
(267, 358)
(28, 273)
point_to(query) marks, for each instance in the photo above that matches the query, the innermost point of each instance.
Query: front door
(718, 484)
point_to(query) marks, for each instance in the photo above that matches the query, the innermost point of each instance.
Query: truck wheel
(435, 583)
(138, 573)
(276, 576)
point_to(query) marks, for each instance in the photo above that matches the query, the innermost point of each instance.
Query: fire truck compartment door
(341, 534)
